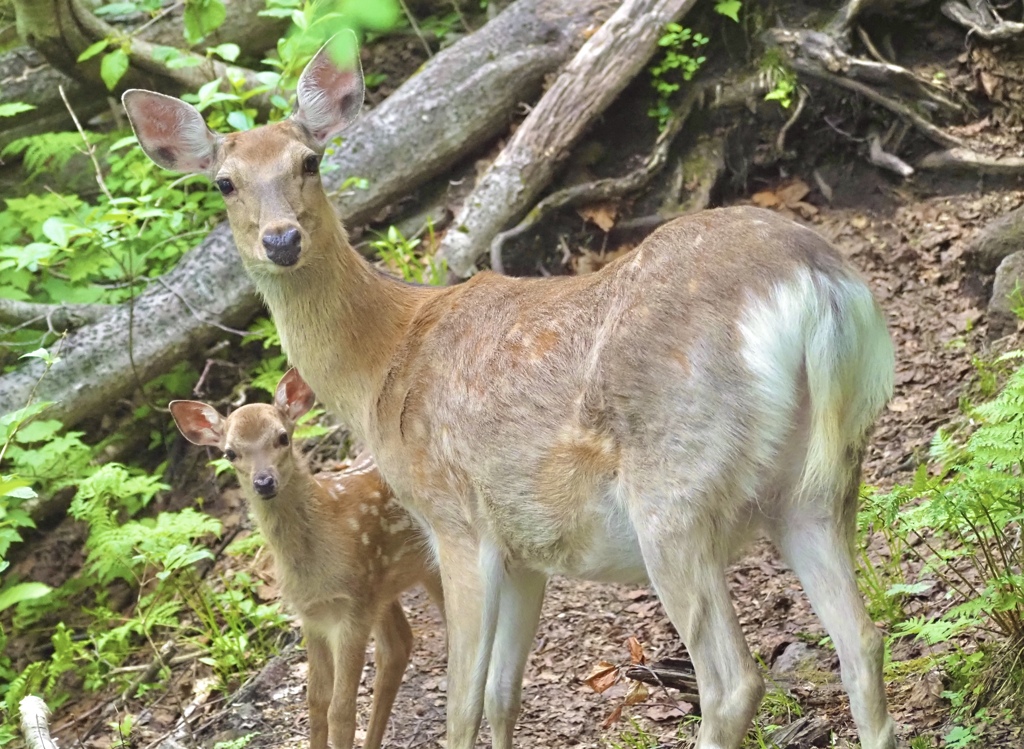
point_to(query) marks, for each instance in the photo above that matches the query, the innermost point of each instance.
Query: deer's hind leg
(686, 558)
(816, 541)
(393, 638)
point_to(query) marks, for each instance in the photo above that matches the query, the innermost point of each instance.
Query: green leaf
(93, 49)
(729, 9)
(202, 17)
(113, 67)
(22, 592)
(229, 52)
(239, 120)
(15, 107)
(53, 229)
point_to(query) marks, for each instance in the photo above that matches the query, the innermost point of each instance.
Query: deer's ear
(200, 423)
(171, 132)
(293, 396)
(330, 90)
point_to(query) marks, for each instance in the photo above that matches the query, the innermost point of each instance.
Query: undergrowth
(958, 521)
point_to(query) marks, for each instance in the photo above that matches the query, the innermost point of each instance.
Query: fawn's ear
(330, 90)
(200, 423)
(293, 396)
(171, 132)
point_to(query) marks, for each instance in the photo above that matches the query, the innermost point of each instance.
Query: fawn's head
(269, 176)
(256, 438)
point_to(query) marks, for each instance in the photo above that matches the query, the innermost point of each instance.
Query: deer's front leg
(348, 643)
(319, 688)
(463, 603)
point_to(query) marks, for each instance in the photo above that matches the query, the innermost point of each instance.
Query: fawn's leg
(348, 645)
(393, 638)
(819, 552)
(319, 688)
(522, 593)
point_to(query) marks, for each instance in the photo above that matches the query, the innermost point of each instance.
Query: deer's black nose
(265, 484)
(283, 246)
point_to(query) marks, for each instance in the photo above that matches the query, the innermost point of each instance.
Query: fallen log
(601, 69)
(459, 101)
(27, 76)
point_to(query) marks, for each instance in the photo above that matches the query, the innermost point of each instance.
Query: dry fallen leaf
(637, 693)
(636, 651)
(590, 262)
(603, 676)
(611, 719)
(602, 215)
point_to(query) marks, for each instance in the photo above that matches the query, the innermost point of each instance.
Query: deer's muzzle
(283, 245)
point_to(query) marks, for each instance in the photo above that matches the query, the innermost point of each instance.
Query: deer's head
(256, 439)
(269, 176)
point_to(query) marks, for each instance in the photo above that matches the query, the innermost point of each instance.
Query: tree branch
(601, 69)
(55, 317)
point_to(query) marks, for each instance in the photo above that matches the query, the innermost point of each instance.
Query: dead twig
(966, 159)
(57, 317)
(801, 102)
(882, 158)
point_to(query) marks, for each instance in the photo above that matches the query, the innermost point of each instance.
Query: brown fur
(344, 551)
(637, 424)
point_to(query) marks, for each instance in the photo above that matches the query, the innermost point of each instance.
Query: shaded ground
(912, 258)
(908, 241)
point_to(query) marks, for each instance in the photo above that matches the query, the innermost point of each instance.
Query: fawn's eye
(282, 439)
(311, 164)
(225, 186)
(231, 455)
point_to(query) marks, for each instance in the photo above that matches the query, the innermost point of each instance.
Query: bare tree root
(981, 19)
(817, 55)
(602, 189)
(964, 159)
(605, 64)
(713, 97)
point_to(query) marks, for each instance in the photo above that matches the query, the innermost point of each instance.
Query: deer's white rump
(639, 423)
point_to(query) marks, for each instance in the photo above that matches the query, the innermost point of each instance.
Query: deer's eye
(282, 440)
(311, 164)
(225, 186)
(231, 455)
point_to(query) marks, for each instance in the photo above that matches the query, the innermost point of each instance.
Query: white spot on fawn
(353, 524)
(366, 539)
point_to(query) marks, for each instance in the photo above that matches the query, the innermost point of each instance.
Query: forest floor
(912, 256)
(908, 240)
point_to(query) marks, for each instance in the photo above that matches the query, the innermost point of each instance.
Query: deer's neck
(340, 322)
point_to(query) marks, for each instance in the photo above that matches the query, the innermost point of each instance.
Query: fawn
(637, 425)
(344, 551)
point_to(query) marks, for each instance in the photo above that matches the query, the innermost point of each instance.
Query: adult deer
(637, 424)
(344, 550)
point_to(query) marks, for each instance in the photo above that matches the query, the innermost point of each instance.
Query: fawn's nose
(265, 484)
(282, 245)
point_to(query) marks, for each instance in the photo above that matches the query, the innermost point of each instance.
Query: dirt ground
(912, 257)
(908, 239)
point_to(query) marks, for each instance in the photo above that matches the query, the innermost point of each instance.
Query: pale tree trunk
(601, 69)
